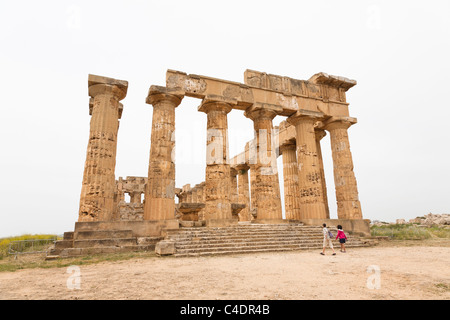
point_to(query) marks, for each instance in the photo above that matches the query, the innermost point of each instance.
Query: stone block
(165, 247)
(68, 235)
(212, 223)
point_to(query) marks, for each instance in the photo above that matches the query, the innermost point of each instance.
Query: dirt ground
(382, 272)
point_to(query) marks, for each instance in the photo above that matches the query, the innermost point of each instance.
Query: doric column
(160, 191)
(98, 186)
(290, 176)
(348, 205)
(234, 185)
(243, 192)
(201, 213)
(217, 175)
(268, 202)
(252, 187)
(312, 204)
(320, 134)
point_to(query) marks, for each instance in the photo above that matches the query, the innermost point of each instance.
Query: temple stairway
(84, 243)
(202, 241)
(253, 238)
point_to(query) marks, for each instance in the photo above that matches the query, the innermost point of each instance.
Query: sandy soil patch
(404, 273)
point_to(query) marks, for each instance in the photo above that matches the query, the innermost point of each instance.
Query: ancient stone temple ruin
(240, 194)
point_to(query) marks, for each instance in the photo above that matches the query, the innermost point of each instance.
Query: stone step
(251, 239)
(62, 244)
(103, 234)
(251, 227)
(68, 235)
(243, 232)
(74, 252)
(250, 250)
(256, 247)
(256, 227)
(280, 244)
(248, 237)
(96, 243)
(249, 232)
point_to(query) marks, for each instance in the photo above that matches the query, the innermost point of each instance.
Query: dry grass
(31, 261)
(410, 232)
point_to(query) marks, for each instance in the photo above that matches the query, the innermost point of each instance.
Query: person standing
(327, 239)
(342, 238)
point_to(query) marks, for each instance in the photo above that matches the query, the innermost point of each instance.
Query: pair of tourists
(327, 235)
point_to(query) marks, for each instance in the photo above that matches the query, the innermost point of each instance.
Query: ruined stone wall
(135, 187)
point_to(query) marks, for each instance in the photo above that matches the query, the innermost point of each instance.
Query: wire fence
(30, 246)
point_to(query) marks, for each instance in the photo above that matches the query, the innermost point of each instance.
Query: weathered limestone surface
(135, 187)
(312, 106)
(290, 174)
(160, 193)
(321, 93)
(190, 211)
(217, 176)
(165, 247)
(320, 134)
(253, 209)
(347, 198)
(98, 186)
(234, 185)
(312, 204)
(244, 192)
(268, 202)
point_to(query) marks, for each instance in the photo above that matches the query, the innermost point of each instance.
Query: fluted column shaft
(201, 213)
(290, 176)
(267, 196)
(252, 187)
(244, 193)
(320, 134)
(98, 186)
(160, 191)
(312, 204)
(348, 204)
(217, 176)
(234, 185)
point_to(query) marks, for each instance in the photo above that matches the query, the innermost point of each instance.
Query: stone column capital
(157, 94)
(339, 123)
(216, 103)
(233, 172)
(305, 115)
(242, 167)
(262, 111)
(103, 85)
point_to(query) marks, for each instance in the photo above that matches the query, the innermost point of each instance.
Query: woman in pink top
(342, 237)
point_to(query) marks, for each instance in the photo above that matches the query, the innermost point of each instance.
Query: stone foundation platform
(204, 237)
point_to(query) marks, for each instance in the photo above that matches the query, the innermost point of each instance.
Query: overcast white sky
(398, 51)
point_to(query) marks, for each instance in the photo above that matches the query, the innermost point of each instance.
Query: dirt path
(405, 273)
